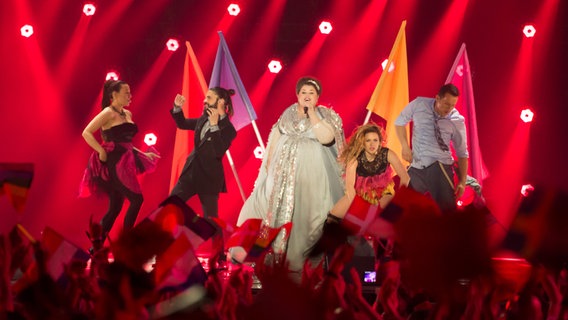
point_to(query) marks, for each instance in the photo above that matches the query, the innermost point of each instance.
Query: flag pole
(232, 164)
(368, 117)
(258, 137)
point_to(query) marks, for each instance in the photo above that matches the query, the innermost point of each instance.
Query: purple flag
(460, 76)
(225, 75)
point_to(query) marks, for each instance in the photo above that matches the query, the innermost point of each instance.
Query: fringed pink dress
(122, 158)
(374, 178)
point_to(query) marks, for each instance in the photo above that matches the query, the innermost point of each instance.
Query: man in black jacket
(203, 173)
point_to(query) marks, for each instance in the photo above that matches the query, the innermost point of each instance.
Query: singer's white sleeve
(323, 131)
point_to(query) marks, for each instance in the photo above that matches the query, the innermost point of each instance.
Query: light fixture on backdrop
(325, 27)
(234, 9)
(172, 44)
(150, 139)
(111, 75)
(526, 189)
(527, 115)
(258, 152)
(89, 9)
(529, 30)
(274, 66)
(26, 31)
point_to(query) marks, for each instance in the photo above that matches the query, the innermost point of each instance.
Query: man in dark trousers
(202, 174)
(436, 124)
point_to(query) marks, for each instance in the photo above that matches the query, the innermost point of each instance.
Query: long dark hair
(225, 94)
(109, 87)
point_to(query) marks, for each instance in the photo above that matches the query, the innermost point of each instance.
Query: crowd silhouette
(442, 268)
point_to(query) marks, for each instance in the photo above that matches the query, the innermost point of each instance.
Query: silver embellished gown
(299, 182)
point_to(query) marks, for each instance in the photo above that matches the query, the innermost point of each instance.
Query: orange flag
(391, 93)
(194, 89)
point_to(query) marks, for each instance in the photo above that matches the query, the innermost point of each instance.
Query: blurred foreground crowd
(440, 267)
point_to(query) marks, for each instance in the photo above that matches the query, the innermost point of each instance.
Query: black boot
(333, 236)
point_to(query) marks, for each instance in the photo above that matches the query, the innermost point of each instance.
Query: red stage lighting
(384, 65)
(112, 75)
(275, 66)
(89, 9)
(258, 152)
(172, 44)
(529, 30)
(527, 115)
(325, 27)
(234, 9)
(526, 189)
(27, 30)
(150, 139)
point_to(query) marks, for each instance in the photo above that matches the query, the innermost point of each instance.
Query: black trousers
(432, 180)
(185, 189)
(117, 192)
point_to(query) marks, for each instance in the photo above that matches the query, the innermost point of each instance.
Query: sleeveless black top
(366, 168)
(123, 132)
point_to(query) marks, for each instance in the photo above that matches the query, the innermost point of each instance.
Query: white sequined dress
(299, 183)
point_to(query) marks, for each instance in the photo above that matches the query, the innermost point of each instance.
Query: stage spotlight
(274, 66)
(526, 189)
(527, 115)
(112, 75)
(258, 153)
(150, 139)
(27, 30)
(384, 65)
(234, 9)
(529, 30)
(325, 27)
(89, 9)
(172, 44)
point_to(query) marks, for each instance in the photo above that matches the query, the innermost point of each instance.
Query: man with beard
(202, 174)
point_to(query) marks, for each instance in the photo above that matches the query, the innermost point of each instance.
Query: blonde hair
(356, 143)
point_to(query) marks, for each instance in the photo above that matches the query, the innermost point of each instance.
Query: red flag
(404, 201)
(227, 229)
(254, 237)
(194, 89)
(178, 218)
(460, 76)
(15, 182)
(360, 215)
(178, 268)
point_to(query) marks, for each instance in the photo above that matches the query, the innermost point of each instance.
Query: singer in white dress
(300, 178)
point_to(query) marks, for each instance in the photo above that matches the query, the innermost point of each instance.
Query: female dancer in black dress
(113, 167)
